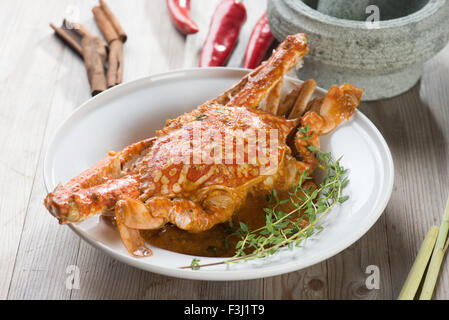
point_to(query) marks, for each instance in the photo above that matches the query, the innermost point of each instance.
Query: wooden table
(42, 82)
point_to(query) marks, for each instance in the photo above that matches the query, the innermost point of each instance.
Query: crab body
(212, 147)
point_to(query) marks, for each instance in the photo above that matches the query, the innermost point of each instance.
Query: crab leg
(315, 105)
(133, 215)
(300, 106)
(135, 149)
(217, 207)
(273, 98)
(224, 98)
(295, 103)
(76, 204)
(259, 83)
(288, 101)
(303, 140)
(110, 167)
(96, 189)
(338, 104)
(131, 238)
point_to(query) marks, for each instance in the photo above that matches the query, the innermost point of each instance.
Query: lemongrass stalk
(432, 275)
(419, 266)
(437, 257)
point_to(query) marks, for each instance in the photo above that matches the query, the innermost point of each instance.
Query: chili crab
(199, 168)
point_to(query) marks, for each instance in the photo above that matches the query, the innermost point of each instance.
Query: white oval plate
(133, 111)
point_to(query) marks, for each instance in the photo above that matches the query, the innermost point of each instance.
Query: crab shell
(213, 147)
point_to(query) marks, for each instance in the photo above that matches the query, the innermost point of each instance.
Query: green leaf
(243, 227)
(309, 232)
(195, 265)
(344, 183)
(286, 229)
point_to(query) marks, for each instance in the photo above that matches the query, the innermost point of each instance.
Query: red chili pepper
(223, 33)
(259, 42)
(179, 13)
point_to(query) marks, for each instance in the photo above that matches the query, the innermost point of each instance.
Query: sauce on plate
(212, 243)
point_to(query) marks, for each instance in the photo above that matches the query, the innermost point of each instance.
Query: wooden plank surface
(415, 127)
(43, 81)
(28, 86)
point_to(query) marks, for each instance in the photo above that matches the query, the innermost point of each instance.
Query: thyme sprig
(288, 229)
(195, 264)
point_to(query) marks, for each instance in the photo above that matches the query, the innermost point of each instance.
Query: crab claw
(84, 195)
(131, 216)
(324, 115)
(131, 238)
(250, 91)
(338, 105)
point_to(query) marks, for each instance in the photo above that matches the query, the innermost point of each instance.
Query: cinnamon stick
(82, 32)
(95, 54)
(114, 21)
(115, 66)
(115, 36)
(92, 49)
(106, 27)
(64, 35)
(77, 27)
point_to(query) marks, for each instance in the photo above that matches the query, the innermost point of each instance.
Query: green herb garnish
(195, 265)
(289, 229)
(305, 131)
(201, 117)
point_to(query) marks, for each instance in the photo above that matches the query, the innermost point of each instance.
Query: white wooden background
(42, 81)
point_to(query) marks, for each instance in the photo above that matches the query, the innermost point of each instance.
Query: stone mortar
(386, 60)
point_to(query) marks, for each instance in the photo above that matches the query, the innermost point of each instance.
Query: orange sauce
(212, 243)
